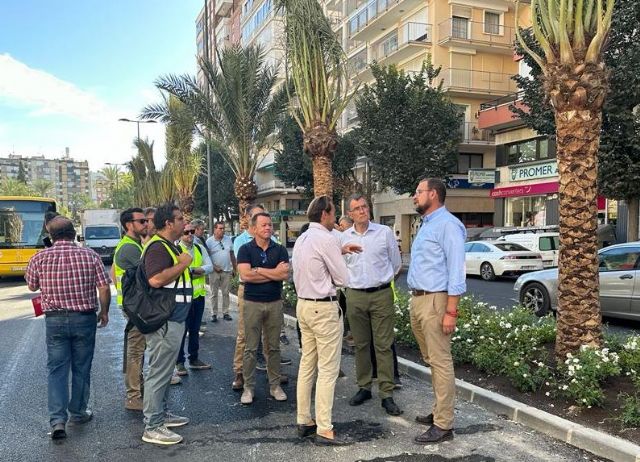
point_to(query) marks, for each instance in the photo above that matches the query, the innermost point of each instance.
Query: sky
(69, 69)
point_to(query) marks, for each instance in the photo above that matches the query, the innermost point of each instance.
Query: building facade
(69, 177)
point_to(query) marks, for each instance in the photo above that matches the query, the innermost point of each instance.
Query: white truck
(101, 231)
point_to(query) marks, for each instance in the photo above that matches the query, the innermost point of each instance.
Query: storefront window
(544, 149)
(526, 211)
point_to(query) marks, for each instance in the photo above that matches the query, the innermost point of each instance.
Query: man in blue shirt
(437, 280)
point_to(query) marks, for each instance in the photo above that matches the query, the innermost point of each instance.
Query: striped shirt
(67, 276)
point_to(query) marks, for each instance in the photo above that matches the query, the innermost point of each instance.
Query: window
(549, 243)
(460, 27)
(467, 161)
(511, 247)
(491, 23)
(529, 151)
(467, 246)
(479, 248)
(620, 259)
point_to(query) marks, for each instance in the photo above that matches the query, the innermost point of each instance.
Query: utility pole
(207, 56)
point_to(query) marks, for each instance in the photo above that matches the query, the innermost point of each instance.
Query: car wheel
(486, 272)
(534, 297)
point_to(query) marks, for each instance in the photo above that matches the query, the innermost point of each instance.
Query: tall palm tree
(572, 34)
(42, 187)
(240, 110)
(317, 65)
(183, 163)
(147, 180)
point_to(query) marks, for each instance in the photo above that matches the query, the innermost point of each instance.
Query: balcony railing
(270, 185)
(369, 12)
(472, 81)
(464, 30)
(472, 134)
(493, 104)
(358, 63)
(408, 33)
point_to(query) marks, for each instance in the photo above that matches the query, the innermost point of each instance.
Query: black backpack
(148, 308)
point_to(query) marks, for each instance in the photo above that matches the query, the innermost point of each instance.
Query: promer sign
(533, 172)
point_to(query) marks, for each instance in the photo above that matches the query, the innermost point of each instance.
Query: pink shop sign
(525, 190)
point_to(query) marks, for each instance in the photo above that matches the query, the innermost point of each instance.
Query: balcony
(272, 186)
(223, 34)
(461, 32)
(477, 83)
(223, 8)
(497, 115)
(376, 16)
(472, 134)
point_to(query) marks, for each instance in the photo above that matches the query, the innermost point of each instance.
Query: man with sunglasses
(220, 248)
(200, 266)
(127, 255)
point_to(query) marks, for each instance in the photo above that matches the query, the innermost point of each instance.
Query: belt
(67, 313)
(418, 293)
(374, 289)
(330, 298)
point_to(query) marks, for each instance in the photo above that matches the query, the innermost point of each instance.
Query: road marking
(17, 358)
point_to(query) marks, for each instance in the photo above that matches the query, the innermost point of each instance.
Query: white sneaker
(175, 378)
(172, 420)
(161, 435)
(277, 393)
(247, 396)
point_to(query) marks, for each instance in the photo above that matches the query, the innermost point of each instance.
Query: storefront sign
(481, 175)
(533, 172)
(526, 190)
(463, 183)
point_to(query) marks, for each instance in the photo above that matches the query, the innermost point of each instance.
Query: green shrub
(235, 283)
(289, 296)
(630, 358)
(403, 331)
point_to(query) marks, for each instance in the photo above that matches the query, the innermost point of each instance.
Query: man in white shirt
(220, 250)
(370, 301)
(317, 268)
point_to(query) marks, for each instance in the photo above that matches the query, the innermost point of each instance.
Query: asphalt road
(221, 429)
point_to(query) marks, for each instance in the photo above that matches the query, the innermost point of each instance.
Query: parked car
(546, 244)
(619, 268)
(499, 258)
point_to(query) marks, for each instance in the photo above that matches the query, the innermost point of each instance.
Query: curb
(596, 442)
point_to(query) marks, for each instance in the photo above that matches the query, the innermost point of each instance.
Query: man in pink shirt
(318, 267)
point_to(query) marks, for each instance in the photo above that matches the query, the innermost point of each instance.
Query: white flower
(525, 375)
(548, 394)
(516, 363)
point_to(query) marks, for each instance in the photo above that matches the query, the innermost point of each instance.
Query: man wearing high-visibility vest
(166, 267)
(127, 255)
(200, 267)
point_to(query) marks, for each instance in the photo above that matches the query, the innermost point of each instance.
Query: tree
(240, 110)
(318, 67)
(296, 170)
(225, 204)
(409, 129)
(42, 187)
(14, 187)
(150, 186)
(571, 34)
(22, 173)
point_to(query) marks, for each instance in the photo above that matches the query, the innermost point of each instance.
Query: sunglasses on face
(189, 231)
(263, 255)
(142, 221)
(221, 245)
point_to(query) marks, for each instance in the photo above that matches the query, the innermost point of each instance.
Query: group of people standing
(360, 263)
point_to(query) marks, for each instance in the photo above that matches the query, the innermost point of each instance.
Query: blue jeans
(192, 326)
(71, 340)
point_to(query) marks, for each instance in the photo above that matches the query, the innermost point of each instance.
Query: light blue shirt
(437, 255)
(379, 260)
(207, 266)
(220, 252)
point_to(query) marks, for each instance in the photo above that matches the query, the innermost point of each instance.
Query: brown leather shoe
(133, 404)
(238, 383)
(425, 419)
(435, 434)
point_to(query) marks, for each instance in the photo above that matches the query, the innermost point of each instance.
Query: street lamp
(137, 122)
(113, 164)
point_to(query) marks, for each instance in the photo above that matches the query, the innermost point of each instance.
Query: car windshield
(511, 247)
(22, 223)
(102, 232)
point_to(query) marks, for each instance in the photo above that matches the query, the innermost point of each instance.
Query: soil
(605, 418)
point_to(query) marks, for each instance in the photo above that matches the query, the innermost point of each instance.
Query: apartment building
(473, 42)
(99, 187)
(70, 178)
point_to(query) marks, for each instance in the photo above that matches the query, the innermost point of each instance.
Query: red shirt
(67, 276)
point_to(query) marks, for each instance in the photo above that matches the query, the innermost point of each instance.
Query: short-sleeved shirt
(252, 254)
(67, 276)
(128, 256)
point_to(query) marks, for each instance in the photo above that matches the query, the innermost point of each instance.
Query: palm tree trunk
(577, 93)
(320, 144)
(246, 191)
(187, 204)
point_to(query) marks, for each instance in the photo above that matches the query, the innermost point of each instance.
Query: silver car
(619, 292)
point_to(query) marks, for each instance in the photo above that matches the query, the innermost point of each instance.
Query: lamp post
(113, 164)
(137, 122)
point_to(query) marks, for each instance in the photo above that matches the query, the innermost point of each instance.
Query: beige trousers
(133, 380)
(322, 331)
(427, 312)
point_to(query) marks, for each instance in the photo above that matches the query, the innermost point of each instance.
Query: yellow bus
(21, 231)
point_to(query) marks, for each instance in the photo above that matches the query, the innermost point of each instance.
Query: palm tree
(148, 190)
(572, 34)
(318, 67)
(42, 187)
(183, 163)
(239, 110)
